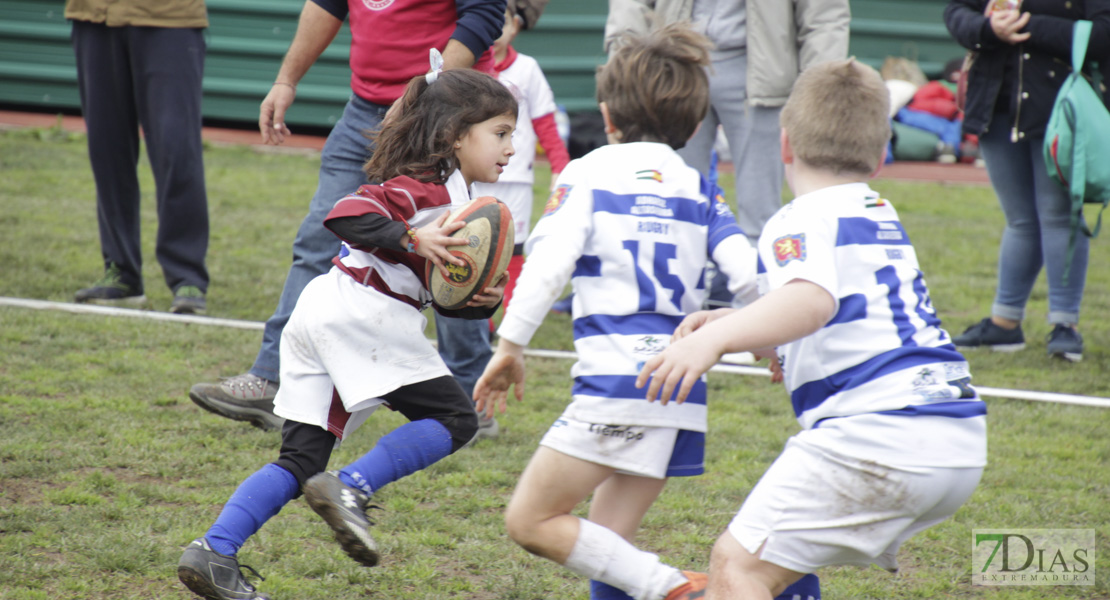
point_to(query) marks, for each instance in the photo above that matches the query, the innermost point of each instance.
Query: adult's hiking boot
(244, 397)
(488, 429)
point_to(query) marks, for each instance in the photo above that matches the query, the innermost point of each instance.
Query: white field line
(731, 367)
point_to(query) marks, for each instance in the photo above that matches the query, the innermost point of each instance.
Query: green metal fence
(247, 39)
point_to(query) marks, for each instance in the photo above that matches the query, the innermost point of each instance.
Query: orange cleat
(693, 588)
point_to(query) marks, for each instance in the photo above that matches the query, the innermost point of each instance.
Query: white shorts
(655, 452)
(812, 509)
(346, 345)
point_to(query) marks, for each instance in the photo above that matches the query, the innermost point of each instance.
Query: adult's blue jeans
(1037, 229)
(464, 345)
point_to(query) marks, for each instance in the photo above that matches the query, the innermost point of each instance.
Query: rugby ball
(489, 246)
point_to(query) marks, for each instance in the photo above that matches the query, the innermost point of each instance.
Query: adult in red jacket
(390, 40)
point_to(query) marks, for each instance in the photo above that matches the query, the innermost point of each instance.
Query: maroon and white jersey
(395, 273)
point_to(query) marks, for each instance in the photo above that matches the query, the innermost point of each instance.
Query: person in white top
(883, 397)
(535, 122)
(630, 225)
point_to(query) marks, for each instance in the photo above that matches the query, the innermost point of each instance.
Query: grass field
(107, 469)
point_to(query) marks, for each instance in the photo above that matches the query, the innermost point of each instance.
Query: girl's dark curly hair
(418, 135)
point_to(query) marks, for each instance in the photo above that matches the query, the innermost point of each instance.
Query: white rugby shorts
(654, 452)
(813, 509)
(346, 345)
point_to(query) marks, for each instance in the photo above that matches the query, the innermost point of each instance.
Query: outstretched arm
(504, 370)
(315, 31)
(793, 311)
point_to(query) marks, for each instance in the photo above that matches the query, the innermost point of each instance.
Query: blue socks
(258, 498)
(806, 588)
(604, 591)
(403, 451)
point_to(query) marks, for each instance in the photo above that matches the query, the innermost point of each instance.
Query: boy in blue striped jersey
(630, 225)
(893, 436)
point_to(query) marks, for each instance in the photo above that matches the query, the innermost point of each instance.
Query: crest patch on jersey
(556, 199)
(790, 247)
(651, 174)
(377, 4)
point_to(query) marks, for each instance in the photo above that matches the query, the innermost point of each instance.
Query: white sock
(600, 553)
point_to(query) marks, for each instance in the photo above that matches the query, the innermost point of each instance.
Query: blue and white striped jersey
(881, 373)
(631, 227)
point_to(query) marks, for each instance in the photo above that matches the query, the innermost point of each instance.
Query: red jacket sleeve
(548, 135)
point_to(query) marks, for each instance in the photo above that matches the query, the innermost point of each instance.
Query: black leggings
(306, 449)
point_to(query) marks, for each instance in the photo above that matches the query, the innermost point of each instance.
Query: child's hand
(489, 297)
(504, 370)
(775, 366)
(678, 367)
(697, 320)
(432, 241)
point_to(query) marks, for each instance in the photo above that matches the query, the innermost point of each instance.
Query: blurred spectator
(140, 64)
(535, 122)
(1021, 61)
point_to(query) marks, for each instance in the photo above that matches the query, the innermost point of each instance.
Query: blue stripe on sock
(604, 591)
(806, 588)
(258, 498)
(403, 451)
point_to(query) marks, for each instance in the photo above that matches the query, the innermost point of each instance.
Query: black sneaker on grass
(344, 509)
(986, 334)
(242, 398)
(112, 291)
(188, 300)
(215, 576)
(1066, 343)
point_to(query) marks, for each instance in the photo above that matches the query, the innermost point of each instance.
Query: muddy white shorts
(346, 345)
(813, 509)
(655, 452)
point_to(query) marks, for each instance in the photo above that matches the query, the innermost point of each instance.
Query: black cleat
(344, 509)
(215, 576)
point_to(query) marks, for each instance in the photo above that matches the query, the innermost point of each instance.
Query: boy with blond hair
(893, 436)
(630, 225)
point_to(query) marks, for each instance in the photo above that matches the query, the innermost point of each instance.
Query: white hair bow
(435, 59)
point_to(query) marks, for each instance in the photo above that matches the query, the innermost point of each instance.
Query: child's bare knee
(520, 527)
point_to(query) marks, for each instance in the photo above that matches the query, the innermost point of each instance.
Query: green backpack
(1077, 142)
